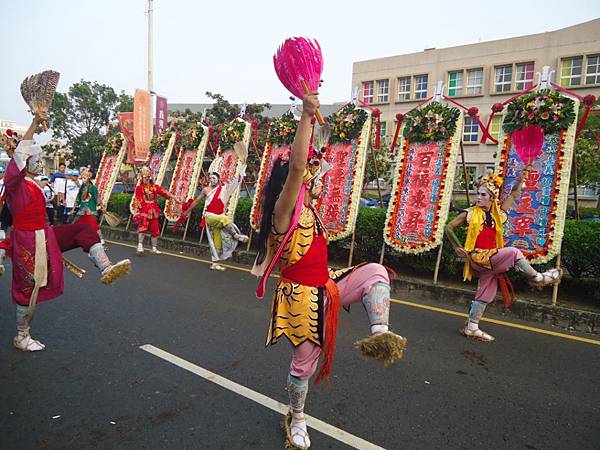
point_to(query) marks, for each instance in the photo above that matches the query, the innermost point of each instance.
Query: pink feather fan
(528, 142)
(299, 64)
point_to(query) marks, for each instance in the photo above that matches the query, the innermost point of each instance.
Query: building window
(524, 76)
(592, 74)
(470, 130)
(421, 86)
(570, 72)
(403, 88)
(383, 131)
(383, 90)
(368, 91)
(503, 81)
(474, 81)
(496, 126)
(455, 83)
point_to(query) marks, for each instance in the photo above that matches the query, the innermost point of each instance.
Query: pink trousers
(305, 357)
(501, 262)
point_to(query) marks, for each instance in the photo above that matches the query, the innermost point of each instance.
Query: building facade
(480, 75)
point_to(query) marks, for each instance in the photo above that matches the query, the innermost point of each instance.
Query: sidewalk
(411, 289)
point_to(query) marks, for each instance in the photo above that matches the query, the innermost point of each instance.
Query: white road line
(325, 428)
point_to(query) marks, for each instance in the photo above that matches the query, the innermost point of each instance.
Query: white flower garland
(235, 196)
(105, 195)
(561, 199)
(200, 152)
(444, 200)
(360, 161)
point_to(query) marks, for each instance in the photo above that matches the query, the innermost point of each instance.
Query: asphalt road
(93, 387)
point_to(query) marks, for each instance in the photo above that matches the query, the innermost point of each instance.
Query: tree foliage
(81, 117)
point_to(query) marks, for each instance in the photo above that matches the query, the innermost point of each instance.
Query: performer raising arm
(484, 249)
(223, 235)
(307, 299)
(37, 273)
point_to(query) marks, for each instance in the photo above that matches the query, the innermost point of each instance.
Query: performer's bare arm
(284, 208)
(449, 229)
(515, 193)
(197, 200)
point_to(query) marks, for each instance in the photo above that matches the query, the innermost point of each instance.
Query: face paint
(484, 199)
(213, 180)
(35, 165)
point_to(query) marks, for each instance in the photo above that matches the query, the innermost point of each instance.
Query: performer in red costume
(147, 209)
(223, 235)
(36, 248)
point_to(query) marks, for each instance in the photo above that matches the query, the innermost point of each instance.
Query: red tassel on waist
(331, 322)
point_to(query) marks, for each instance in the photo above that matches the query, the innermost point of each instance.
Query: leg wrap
(522, 265)
(297, 390)
(22, 319)
(99, 257)
(377, 303)
(476, 311)
(141, 238)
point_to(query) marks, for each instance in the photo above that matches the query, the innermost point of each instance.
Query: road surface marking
(414, 305)
(325, 428)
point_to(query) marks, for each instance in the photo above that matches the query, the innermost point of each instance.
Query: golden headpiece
(492, 182)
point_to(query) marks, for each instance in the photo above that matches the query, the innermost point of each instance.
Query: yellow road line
(407, 303)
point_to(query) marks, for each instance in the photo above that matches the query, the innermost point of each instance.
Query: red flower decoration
(473, 111)
(376, 112)
(589, 100)
(497, 107)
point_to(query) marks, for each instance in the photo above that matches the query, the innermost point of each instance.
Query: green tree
(81, 117)
(378, 163)
(587, 149)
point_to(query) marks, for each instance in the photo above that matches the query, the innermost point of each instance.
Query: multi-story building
(480, 75)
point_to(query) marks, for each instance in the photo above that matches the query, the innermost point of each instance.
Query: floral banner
(536, 221)
(269, 156)
(422, 187)
(187, 170)
(342, 185)
(279, 145)
(234, 131)
(110, 164)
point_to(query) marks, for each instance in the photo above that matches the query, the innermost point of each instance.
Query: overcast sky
(227, 46)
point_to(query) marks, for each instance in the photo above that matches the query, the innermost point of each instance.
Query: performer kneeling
(307, 299)
(36, 248)
(485, 252)
(223, 235)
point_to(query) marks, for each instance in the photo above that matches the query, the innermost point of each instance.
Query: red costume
(148, 210)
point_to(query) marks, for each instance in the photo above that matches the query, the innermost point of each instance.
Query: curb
(415, 291)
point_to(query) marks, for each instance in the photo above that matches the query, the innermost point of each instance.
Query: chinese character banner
(110, 165)
(187, 169)
(422, 187)
(536, 221)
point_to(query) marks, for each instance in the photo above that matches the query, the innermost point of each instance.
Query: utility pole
(150, 32)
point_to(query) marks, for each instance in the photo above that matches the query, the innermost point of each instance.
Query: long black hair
(272, 190)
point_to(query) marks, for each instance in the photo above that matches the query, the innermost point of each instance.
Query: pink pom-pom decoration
(528, 142)
(299, 64)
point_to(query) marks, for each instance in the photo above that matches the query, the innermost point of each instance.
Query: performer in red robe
(36, 248)
(148, 210)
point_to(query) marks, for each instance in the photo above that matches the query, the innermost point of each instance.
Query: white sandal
(477, 334)
(26, 343)
(219, 267)
(296, 438)
(550, 277)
